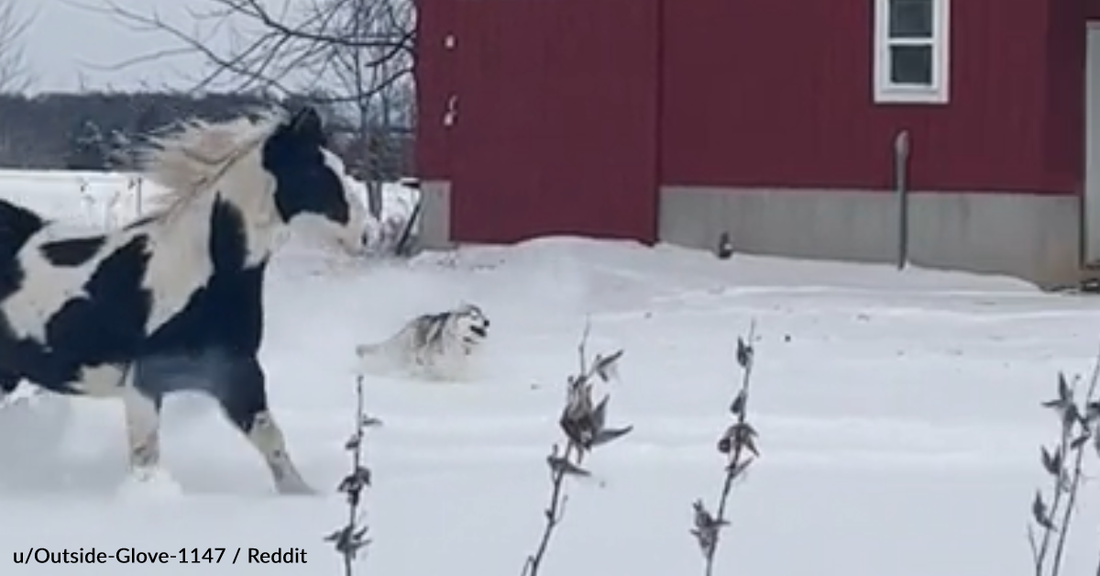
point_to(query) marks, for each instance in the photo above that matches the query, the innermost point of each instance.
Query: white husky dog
(437, 346)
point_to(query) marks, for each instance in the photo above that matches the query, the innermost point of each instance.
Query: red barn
(678, 120)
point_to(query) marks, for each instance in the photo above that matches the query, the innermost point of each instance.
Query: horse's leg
(9, 381)
(243, 397)
(142, 404)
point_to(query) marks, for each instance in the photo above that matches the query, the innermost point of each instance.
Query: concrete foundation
(1033, 237)
(435, 215)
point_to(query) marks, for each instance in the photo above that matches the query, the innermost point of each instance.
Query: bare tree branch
(354, 57)
(348, 49)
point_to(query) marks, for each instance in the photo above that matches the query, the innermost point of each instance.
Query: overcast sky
(68, 45)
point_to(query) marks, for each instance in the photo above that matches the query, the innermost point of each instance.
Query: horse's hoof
(145, 483)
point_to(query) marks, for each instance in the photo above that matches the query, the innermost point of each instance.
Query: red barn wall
(779, 94)
(557, 120)
(1064, 77)
(564, 128)
(1090, 7)
(434, 69)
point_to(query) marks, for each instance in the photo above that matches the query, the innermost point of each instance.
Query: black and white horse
(174, 301)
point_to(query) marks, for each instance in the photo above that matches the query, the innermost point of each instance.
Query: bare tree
(15, 74)
(375, 81)
(353, 56)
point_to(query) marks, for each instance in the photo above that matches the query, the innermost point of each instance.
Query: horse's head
(311, 182)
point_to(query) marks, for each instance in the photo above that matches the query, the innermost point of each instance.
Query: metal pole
(901, 189)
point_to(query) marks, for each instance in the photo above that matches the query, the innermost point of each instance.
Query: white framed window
(912, 51)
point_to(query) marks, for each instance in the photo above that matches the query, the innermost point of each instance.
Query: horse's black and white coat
(174, 301)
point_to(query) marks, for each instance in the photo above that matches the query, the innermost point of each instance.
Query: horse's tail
(17, 225)
(367, 350)
(375, 358)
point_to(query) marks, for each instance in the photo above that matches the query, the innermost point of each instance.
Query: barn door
(557, 120)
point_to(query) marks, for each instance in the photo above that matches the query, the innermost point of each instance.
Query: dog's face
(471, 324)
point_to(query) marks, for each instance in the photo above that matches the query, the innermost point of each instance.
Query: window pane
(911, 18)
(911, 65)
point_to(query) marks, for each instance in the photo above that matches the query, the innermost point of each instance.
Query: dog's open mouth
(480, 331)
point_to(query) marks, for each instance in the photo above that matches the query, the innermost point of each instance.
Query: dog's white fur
(434, 346)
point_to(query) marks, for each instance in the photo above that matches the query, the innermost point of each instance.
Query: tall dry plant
(351, 538)
(738, 446)
(1052, 515)
(583, 422)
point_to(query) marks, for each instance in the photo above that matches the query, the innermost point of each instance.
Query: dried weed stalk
(738, 445)
(352, 537)
(584, 423)
(1052, 516)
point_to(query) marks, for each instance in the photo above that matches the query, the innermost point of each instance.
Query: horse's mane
(186, 161)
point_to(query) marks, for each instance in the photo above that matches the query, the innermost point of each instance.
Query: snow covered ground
(898, 415)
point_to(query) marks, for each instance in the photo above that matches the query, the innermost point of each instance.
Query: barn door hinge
(451, 113)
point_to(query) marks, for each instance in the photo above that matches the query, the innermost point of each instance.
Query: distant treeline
(85, 131)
